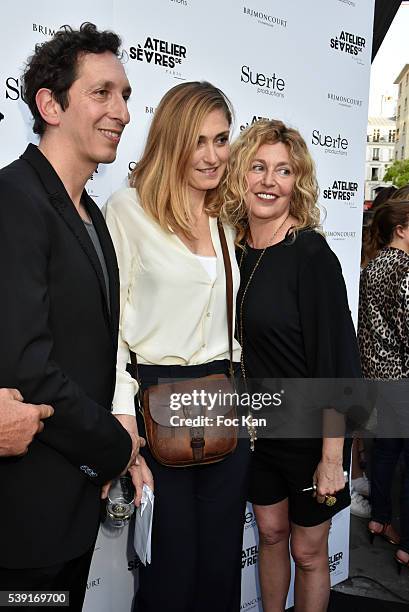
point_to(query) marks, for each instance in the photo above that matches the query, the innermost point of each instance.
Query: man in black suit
(59, 315)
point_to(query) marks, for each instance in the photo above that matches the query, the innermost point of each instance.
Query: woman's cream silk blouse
(171, 313)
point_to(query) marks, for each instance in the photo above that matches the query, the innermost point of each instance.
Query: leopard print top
(383, 320)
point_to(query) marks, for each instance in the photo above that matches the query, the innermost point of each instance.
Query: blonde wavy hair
(160, 176)
(303, 204)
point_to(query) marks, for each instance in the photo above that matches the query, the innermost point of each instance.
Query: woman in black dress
(293, 322)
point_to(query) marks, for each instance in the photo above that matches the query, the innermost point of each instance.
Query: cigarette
(314, 486)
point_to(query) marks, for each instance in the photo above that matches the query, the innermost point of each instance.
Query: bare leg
(309, 548)
(356, 471)
(274, 559)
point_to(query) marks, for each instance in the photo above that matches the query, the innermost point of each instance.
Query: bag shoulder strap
(229, 289)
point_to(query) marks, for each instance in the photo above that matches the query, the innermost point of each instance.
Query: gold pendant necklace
(251, 428)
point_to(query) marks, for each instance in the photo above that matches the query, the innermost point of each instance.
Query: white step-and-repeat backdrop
(306, 63)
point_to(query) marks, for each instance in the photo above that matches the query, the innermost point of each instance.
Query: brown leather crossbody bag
(193, 432)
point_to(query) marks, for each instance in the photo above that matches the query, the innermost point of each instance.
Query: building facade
(402, 115)
(380, 153)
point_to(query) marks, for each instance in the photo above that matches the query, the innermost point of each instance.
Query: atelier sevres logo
(159, 52)
(265, 18)
(253, 120)
(342, 191)
(249, 556)
(348, 43)
(336, 145)
(335, 560)
(269, 84)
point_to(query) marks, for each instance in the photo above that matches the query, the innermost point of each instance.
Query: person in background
(383, 326)
(400, 194)
(383, 195)
(360, 485)
(173, 317)
(293, 322)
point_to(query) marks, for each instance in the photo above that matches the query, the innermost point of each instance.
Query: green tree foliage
(398, 173)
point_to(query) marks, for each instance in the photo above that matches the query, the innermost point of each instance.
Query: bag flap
(209, 396)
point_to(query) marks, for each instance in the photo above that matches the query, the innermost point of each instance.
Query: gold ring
(330, 500)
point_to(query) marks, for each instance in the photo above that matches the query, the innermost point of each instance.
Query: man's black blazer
(58, 346)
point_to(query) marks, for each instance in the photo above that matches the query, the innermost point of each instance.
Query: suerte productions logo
(253, 120)
(133, 564)
(341, 191)
(341, 100)
(14, 89)
(269, 84)
(347, 42)
(335, 145)
(249, 520)
(334, 561)
(249, 556)
(91, 178)
(92, 194)
(159, 52)
(265, 18)
(91, 186)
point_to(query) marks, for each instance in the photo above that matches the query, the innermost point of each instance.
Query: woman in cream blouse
(173, 316)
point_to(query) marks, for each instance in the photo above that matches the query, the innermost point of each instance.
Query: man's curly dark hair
(54, 64)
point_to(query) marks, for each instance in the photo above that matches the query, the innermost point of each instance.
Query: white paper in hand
(143, 526)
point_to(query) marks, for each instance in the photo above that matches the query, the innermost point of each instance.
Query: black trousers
(68, 576)
(197, 527)
(385, 456)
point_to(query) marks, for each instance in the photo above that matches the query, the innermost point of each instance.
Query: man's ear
(48, 107)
